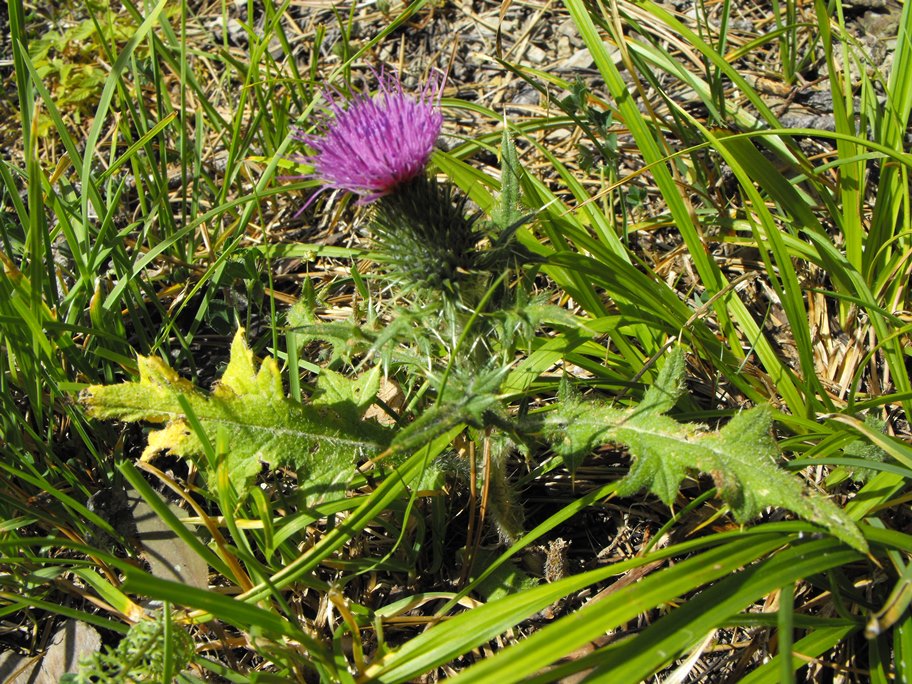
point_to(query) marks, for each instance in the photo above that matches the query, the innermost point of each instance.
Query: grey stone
(74, 640)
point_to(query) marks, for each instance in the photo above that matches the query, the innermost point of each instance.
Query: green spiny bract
(425, 238)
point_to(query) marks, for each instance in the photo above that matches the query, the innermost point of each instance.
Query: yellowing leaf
(250, 415)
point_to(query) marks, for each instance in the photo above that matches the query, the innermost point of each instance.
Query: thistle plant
(451, 267)
(431, 248)
(154, 650)
(458, 333)
(668, 357)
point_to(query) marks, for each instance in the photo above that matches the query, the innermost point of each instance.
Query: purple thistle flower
(370, 146)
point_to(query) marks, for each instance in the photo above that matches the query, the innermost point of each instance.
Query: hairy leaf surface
(741, 457)
(250, 415)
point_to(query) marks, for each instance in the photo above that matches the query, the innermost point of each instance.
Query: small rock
(233, 30)
(74, 640)
(821, 100)
(568, 28)
(169, 556)
(581, 59)
(535, 54)
(276, 50)
(527, 95)
(744, 25)
(870, 4)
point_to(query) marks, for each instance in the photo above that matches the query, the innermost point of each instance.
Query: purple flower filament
(372, 145)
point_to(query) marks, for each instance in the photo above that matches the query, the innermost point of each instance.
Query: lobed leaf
(251, 415)
(741, 457)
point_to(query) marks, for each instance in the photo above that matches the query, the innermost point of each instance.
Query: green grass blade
(637, 658)
(468, 630)
(814, 645)
(107, 96)
(648, 142)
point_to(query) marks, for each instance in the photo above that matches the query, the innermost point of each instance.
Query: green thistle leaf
(251, 413)
(668, 387)
(741, 457)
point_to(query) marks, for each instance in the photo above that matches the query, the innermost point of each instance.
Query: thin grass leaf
(892, 195)
(164, 512)
(107, 94)
(250, 618)
(392, 488)
(635, 659)
(649, 144)
(549, 644)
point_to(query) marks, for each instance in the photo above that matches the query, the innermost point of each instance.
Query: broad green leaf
(741, 457)
(250, 411)
(345, 395)
(668, 387)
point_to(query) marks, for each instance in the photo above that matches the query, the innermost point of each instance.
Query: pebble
(535, 54)
(581, 59)
(233, 30)
(526, 95)
(568, 28)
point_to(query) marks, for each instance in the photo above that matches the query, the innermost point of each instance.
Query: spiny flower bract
(424, 235)
(371, 145)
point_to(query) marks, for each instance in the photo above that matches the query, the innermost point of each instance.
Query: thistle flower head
(371, 145)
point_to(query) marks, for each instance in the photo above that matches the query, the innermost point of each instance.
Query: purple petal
(369, 146)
